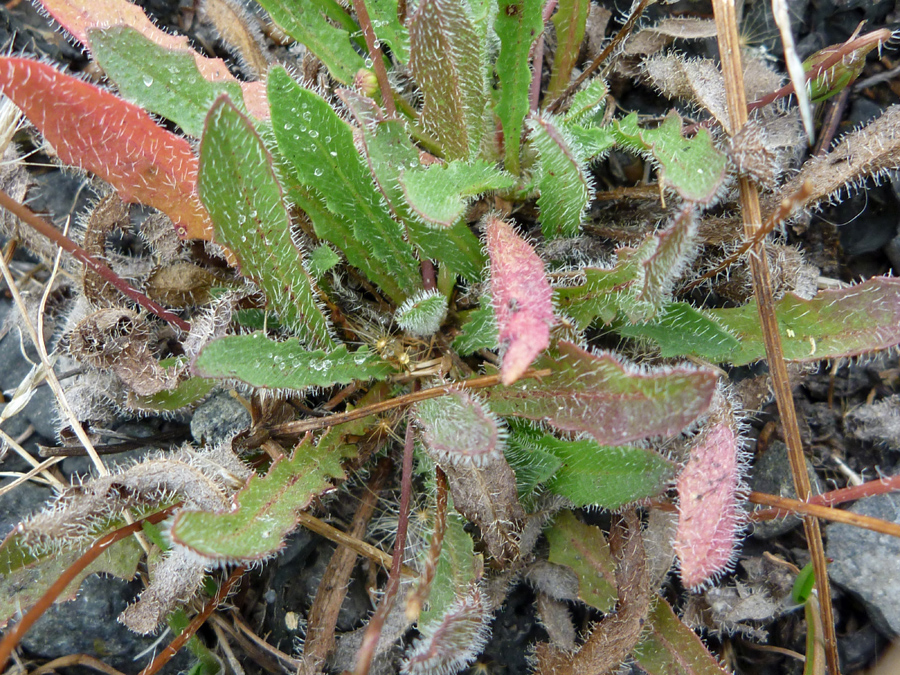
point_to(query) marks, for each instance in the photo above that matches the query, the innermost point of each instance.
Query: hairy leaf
(116, 140)
(693, 167)
(587, 104)
(261, 362)
(570, 21)
(606, 398)
(319, 146)
(263, 512)
(160, 80)
(839, 322)
(246, 204)
(79, 17)
(455, 569)
(479, 330)
(388, 27)
(669, 647)
(423, 313)
(564, 185)
(186, 393)
(521, 297)
(447, 61)
(459, 429)
(584, 550)
(307, 22)
(518, 24)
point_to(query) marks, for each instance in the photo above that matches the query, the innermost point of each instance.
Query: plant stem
(387, 96)
(879, 486)
(788, 506)
(730, 55)
(29, 217)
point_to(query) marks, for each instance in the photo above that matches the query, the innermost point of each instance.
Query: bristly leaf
(307, 22)
(388, 27)
(708, 490)
(264, 511)
(564, 185)
(79, 17)
(390, 155)
(583, 548)
(587, 104)
(570, 21)
(590, 474)
(613, 402)
(455, 569)
(479, 330)
(261, 362)
(439, 194)
(319, 146)
(521, 297)
(448, 62)
(459, 429)
(116, 140)
(836, 323)
(669, 647)
(246, 204)
(518, 24)
(423, 313)
(162, 81)
(693, 167)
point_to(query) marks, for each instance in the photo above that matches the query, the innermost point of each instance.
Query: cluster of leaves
(345, 203)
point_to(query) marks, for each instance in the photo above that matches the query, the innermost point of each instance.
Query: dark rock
(771, 473)
(218, 419)
(41, 412)
(867, 564)
(20, 502)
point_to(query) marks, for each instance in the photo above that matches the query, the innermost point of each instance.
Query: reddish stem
(365, 23)
(871, 488)
(40, 225)
(12, 638)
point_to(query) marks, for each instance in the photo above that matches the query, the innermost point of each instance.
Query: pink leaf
(79, 16)
(118, 141)
(522, 299)
(708, 491)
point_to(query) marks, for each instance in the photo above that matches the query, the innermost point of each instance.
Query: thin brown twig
(788, 506)
(416, 600)
(602, 56)
(730, 55)
(76, 660)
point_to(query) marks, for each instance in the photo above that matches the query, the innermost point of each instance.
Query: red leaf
(79, 16)
(522, 299)
(118, 141)
(708, 491)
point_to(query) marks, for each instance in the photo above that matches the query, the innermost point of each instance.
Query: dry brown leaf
(108, 215)
(238, 30)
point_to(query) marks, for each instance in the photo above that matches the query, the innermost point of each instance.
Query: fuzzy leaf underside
(613, 402)
(693, 167)
(669, 647)
(447, 61)
(584, 550)
(261, 362)
(521, 297)
(479, 330)
(564, 185)
(388, 28)
(245, 201)
(306, 22)
(518, 24)
(458, 429)
(389, 153)
(319, 146)
(569, 20)
(26, 576)
(160, 80)
(264, 511)
(116, 140)
(422, 314)
(835, 323)
(609, 477)
(439, 194)
(532, 465)
(79, 17)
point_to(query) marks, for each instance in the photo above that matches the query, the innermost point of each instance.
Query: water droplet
(333, 153)
(288, 126)
(148, 80)
(317, 172)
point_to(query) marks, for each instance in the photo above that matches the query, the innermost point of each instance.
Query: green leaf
(322, 259)
(319, 146)
(455, 569)
(600, 296)
(261, 362)
(612, 401)
(584, 550)
(306, 22)
(570, 20)
(531, 464)
(422, 314)
(669, 647)
(163, 81)
(265, 510)
(479, 330)
(693, 167)
(564, 185)
(836, 323)
(186, 393)
(518, 24)
(245, 202)
(439, 194)
(587, 104)
(447, 59)
(388, 28)
(595, 142)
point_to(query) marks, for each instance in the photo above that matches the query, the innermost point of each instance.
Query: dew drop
(148, 80)
(317, 172)
(313, 133)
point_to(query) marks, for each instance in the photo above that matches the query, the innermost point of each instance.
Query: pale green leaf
(479, 330)
(588, 103)
(584, 550)
(422, 314)
(570, 20)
